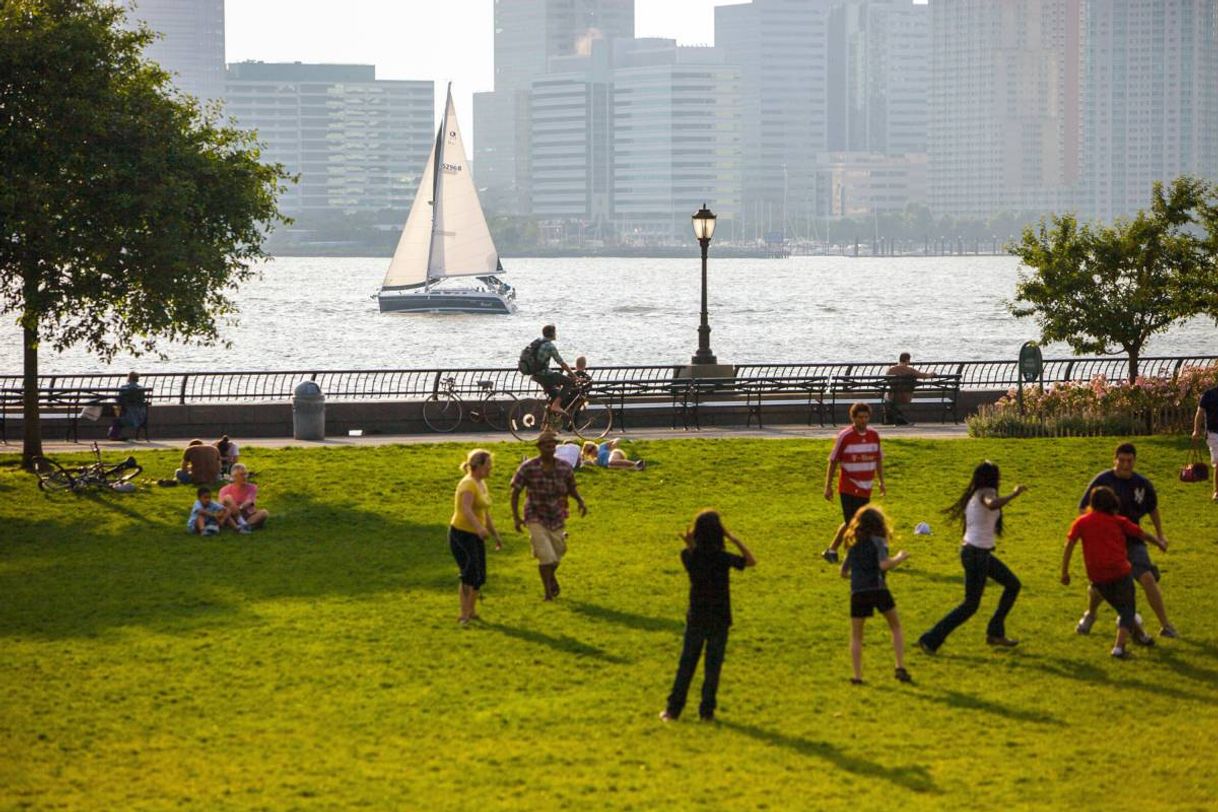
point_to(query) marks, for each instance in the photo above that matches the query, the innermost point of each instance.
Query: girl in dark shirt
(710, 609)
(866, 562)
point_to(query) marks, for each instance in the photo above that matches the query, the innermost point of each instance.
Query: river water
(317, 313)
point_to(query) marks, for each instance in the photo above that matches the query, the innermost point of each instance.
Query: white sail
(409, 266)
(461, 243)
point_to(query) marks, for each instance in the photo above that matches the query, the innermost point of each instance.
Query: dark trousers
(979, 565)
(715, 640)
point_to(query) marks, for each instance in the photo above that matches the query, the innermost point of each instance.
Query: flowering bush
(1148, 405)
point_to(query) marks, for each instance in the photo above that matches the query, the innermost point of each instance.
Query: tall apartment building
(191, 42)
(1150, 78)
(358, 143)
(781, 49)
(1005, 104)
(528, 34)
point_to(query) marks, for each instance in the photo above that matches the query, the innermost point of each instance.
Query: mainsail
(446, 233)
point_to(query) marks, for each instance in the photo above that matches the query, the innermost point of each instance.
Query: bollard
(308, 412)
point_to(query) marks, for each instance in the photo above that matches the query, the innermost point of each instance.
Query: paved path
(927, 430)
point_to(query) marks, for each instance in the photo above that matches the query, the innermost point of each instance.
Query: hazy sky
(439, 40)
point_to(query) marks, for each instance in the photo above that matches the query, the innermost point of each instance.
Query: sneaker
(1001, 642)
(856, 681)
(665, 716)
(1142, 638)
(925, 646)
(1120, 653)
(706, 717)
(830, 555)
(640, 465)
(1085, 623)
(244, 529)
(1169, 631)
(903, 676)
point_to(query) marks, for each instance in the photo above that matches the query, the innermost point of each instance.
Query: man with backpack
(535, 362)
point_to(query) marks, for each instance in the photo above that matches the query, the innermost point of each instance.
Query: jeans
(979, 565)
(716, 646)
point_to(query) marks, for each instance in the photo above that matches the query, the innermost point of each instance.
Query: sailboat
(446, 238)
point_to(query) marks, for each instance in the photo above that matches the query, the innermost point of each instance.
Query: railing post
(1069, 370)
(182, 391)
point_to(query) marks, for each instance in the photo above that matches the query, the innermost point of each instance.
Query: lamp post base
(701, 357)
(713, 370)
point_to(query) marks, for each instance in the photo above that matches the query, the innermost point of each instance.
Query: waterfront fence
(348, 385)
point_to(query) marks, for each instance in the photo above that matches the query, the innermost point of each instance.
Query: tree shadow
(76, 577)
(916, 778)
(1184, 668)
(562, 643)
(630, 620)
(965, 701)
(935, 577)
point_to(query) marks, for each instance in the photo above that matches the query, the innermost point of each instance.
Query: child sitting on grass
(866, 562)
(208, 516)
(1102, 531)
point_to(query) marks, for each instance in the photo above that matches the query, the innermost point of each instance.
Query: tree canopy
(1100, 287)
(128, 213)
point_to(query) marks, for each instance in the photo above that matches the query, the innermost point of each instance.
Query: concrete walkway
(937, 431)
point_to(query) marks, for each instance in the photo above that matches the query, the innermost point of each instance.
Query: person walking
(858, 454)
(866, 562)
(980, 509)
(1104, 534)
(469, 528)
(549, 482)
(1205, 427)
(709, 617)
(1137, 498)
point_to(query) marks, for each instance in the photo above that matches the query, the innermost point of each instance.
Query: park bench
(624, 396)
(66, 406)
(711, 396)
(936, 395)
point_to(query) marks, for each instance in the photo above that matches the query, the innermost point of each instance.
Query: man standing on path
(900, 391)
(1137, 499)
(549, 482)
(857, 452)
(1205, 425)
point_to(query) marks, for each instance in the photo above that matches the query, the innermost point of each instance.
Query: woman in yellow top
(469, 527)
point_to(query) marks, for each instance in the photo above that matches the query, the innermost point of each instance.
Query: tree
(128, 213)
(1098, 286)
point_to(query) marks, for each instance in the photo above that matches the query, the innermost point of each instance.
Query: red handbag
(1194, 470)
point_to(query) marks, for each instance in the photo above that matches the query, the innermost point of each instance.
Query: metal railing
(417, 384)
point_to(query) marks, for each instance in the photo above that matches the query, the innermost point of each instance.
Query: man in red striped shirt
(857, 453)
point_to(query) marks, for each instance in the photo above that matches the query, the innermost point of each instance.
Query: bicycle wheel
(442, 412)
(593, 421)
(527, 419)
(497, 412)
(52, 476)
(123, 472)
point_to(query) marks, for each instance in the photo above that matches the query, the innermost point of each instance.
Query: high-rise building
(528, 34)
(781, 49)
(358, 143)
(191, 42)
(1150, 78)
(1005, 104)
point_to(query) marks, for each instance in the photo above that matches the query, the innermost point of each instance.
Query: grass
(318, 665)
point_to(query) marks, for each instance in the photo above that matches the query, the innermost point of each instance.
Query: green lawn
(318, 665)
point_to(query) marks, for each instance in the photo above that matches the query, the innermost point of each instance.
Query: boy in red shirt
(857, 453)
(1102, 532)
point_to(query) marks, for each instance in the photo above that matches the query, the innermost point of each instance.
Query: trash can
(308, 412)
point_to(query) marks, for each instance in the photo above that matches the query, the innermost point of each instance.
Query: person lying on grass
(1102, 532)
(608, 455)
(866, 562)
(208, 516)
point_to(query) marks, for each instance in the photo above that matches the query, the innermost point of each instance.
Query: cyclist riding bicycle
(558, 385)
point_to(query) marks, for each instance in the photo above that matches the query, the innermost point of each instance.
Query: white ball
(1137, 616)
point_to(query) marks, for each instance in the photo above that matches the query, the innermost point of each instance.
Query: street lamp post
(704, 227)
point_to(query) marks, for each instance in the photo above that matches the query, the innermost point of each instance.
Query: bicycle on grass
(54, 477)
(585, 416)
(444, 409)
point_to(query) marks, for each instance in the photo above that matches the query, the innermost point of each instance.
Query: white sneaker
(1085, 623)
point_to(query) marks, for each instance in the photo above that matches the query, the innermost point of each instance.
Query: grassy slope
(318, 665)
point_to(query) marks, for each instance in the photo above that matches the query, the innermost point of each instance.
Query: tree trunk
(30, 425)
(1135, 354)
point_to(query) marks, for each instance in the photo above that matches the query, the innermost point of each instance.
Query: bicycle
(53, 477)
(443, 410)
(585, 417)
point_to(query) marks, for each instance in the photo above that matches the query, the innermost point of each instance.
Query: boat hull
(435, 301)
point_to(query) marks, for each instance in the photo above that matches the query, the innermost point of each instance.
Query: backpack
(530, 364)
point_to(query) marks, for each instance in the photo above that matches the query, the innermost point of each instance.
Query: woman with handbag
(1205, 427)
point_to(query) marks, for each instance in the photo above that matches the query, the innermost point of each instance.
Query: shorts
(549, 546)
(1120, 595)
(864, 604)
(851, 505)
(1139, 558)
(211, 527)
(469, 551)
(1211, 439)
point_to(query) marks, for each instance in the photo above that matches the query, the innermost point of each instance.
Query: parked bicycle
(445, 408)
(54, 477)
(586, 416)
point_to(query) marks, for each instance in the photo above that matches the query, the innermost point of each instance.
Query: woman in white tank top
(980, 508)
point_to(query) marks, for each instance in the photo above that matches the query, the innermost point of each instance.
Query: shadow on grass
(78, 576)
(935, 577)
(1184, 668)
(959, 699)
(630, 620)
(562, 643)
(916, 778)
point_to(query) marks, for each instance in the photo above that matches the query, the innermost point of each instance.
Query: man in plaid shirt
(549, 482)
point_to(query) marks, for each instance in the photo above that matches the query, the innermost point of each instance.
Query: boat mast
(435, 183)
